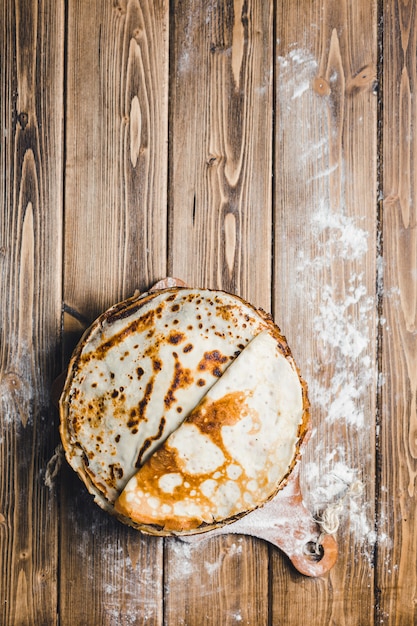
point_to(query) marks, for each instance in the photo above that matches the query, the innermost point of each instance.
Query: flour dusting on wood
(186, 557)
(331, 270)
(343, 332)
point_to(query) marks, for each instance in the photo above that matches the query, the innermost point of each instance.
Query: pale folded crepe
(230, 453)
(145, 370)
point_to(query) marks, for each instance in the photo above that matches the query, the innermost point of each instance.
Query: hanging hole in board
(314, 551)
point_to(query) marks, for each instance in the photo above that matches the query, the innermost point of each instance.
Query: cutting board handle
(297, 534)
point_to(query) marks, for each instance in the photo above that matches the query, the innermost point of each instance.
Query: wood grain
(116, 167)
(115, 242)
(325, 234)
(236, 144)
(221, 121)
(220, 237)
(31, 157)
(397, 571)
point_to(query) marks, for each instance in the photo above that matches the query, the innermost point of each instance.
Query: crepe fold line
(140, 384)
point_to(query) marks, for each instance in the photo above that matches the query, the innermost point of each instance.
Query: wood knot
(321, 86)
(13, 381)
(119, 7)
(363, 80)
(212, 160)
(23, 119)
(137, 33)
(42, 577)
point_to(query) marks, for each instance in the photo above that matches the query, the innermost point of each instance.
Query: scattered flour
(125, 578)
(183, 559)
(330, 255)
(237, 616)
(324, 488)
(343, 327)
(211, 568)
(184, 555)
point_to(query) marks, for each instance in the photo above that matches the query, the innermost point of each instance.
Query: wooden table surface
(264, 148)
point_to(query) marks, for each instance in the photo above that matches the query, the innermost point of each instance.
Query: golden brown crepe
(146, 371)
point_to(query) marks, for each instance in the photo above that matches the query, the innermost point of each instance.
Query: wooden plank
(221, 120)
(117, 125)
(31, 159)
(397, 570)
(115, 241)
(220, 237)
(324, 278)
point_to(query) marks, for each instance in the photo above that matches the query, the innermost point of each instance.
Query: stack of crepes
(183, 410)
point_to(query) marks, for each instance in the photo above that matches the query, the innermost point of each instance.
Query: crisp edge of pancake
(125, 308)
(129, 305)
